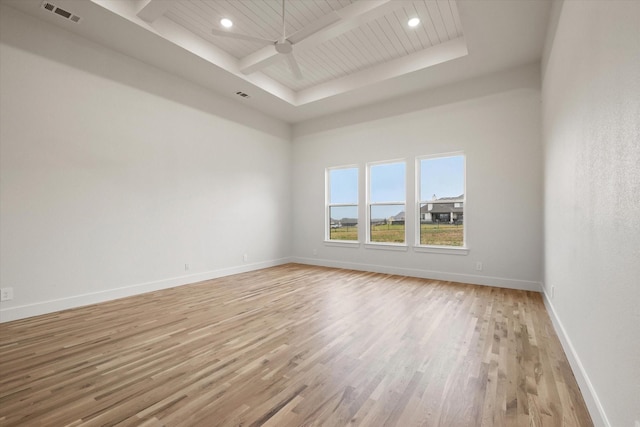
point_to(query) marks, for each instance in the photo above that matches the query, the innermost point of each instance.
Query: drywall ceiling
(349, 52)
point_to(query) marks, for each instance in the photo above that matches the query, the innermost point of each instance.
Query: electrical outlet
(553, 291)
(6, 294)
(186, 267)
(245, 257)
(478, 266)
(315, 252)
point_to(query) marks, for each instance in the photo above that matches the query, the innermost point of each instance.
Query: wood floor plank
(293, 345)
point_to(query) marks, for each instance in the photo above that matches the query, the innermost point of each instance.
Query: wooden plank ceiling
(370, 44)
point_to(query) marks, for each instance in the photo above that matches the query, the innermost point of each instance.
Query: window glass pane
(344, 222)
(442, 196)
(441, 224)
(441, 177)
(343, 185)
(387, 223)
(387, 183)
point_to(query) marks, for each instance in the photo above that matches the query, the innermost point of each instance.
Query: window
(442, 198)
(342, 204)
(386, 208)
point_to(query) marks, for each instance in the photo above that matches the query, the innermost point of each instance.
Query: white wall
(115, 174)
(495, 120)
(591, 115)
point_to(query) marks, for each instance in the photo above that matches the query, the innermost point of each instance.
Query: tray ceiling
(351, 52)
(374, 41)
(339, 45)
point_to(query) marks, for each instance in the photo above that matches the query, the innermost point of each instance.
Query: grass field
(441, 234)
(344, 233)
(430, 234)
(387, 233)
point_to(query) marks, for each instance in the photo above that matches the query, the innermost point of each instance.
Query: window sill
(451, 250)
(387, 246)
(342, 243)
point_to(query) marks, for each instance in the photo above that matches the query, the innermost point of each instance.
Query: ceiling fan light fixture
(284, 47)
(413, 22)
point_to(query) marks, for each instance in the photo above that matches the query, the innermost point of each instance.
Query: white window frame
(418, 247)
(329, 205)
(384, 245)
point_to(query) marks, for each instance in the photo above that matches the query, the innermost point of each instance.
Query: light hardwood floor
(293, 346)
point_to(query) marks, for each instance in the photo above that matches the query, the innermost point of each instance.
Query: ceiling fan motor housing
(284, 47)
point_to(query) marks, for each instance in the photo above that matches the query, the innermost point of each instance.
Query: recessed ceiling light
(226, 23)
(413, 22)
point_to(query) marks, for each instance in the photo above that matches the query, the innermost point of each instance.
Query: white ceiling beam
(259, 59)
(153, 9)
(419, 60)
(352, 16)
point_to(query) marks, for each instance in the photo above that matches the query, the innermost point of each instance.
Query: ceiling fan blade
(314, 27)
(351, 16)
(293, 65)
(229, 34)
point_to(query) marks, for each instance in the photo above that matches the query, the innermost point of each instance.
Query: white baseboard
(45, 307)
(500, 282)
(598, 416)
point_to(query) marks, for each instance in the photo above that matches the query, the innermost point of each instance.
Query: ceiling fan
(285, 44)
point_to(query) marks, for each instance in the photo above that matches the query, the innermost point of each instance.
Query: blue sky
(344, 185)
(442, 176)
(388, 182)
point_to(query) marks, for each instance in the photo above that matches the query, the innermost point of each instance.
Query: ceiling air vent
(242, 94)
(60, 12)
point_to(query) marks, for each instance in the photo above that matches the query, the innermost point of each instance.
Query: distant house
(349, 222)
(444, 209)
(397, 219)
